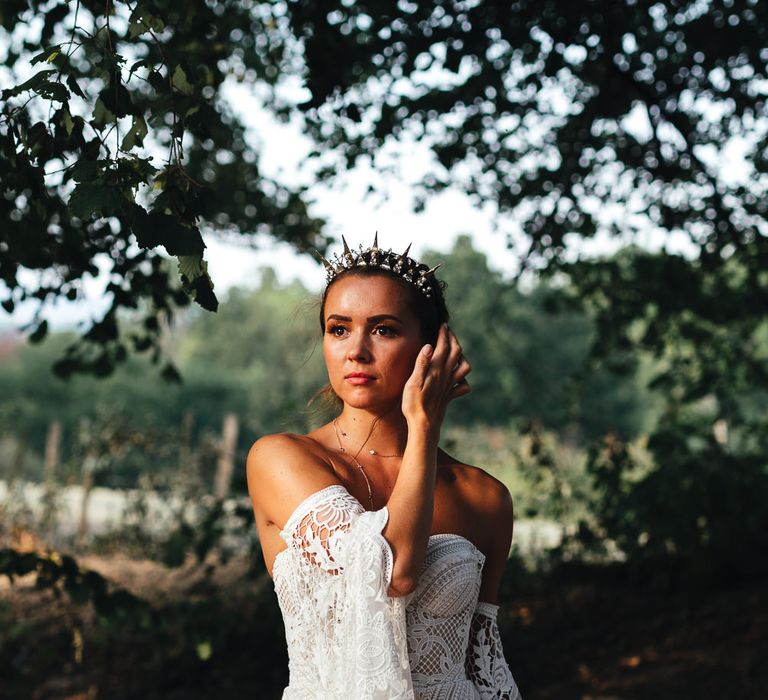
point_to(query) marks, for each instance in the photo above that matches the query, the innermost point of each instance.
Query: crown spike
(405, 254)
(432, 271)
(329, 268)
(375, 245)
(347, 251)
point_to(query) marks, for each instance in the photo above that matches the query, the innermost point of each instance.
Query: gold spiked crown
(407, 268)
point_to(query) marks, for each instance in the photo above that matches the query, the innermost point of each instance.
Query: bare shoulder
(485, 507)
(270, 447)
(282, 470)
(483, 503)
(484, 492)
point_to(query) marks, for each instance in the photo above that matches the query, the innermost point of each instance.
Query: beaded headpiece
(410, 270)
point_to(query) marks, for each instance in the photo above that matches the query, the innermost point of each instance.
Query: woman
(386, 552)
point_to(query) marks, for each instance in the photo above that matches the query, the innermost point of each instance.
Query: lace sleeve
(351, 635)
(485, 663)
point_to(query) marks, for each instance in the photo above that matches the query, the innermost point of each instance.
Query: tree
(530, 364)
(613, 117)
(600, 116)
(267, 344)
(573, 119)
(119, 143)
(568, 119)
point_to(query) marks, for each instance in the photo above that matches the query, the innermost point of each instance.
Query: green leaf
(143, 63)
(192, 266)
(182, 240)
(157, 81)
(142, 21)
(53, 91)
(155, 228)
(66, 119)
(86, 170)
(101, 115)
(202, 291)
(49, 55)
(95, 198)
(136, 134)
(72, 84)
(32, 84)
(116, 98)
(180, 81)
(194, 275)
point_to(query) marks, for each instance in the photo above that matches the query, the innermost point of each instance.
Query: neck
(386, 432)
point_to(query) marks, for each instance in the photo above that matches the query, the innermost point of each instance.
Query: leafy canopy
(115, 141)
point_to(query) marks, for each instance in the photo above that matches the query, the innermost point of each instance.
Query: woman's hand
(438, 377)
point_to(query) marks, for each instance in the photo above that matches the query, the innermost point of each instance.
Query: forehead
(369, 295)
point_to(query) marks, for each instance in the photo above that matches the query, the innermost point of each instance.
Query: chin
(366, 400)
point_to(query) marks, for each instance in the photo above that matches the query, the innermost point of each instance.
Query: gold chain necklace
(371, 451)
(354, 459)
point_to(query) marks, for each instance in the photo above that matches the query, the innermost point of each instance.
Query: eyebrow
(371, 319)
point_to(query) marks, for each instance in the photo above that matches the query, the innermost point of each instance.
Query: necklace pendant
(372, 452)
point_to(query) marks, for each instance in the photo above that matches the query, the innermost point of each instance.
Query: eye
(336, 330)
(385, 331)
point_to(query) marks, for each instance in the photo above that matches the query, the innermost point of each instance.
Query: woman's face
(371, 340)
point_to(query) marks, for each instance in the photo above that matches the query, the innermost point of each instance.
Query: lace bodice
(347, 639)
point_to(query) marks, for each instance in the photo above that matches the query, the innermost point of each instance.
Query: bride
(386, 552)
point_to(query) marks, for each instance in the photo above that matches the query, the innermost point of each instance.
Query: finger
(421, 366)
(441, 346)
(462, 369)
(447, 359)
(459, 389)
(455, 352)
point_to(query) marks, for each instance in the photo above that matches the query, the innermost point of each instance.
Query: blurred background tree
(566, 122)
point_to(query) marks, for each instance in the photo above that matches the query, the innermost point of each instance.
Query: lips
(359, 378)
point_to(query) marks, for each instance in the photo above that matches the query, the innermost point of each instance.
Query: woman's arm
(439, 376)
(282, 471)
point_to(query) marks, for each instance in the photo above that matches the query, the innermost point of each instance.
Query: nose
(358, 350)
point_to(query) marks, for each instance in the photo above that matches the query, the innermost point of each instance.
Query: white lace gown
(348, 640)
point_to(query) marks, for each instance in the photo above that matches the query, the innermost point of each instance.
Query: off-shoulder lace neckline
(310, 501)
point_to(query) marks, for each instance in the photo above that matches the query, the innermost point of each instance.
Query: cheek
(335, 356)
(330, 356)
(402, 362)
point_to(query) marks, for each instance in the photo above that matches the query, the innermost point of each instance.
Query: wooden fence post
(19, 458)
(52, 450)
(226, 462)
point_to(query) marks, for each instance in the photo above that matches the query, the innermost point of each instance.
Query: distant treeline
(260, 357)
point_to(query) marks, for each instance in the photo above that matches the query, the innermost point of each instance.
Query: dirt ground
(582, 640)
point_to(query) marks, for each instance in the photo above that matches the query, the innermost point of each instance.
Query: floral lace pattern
(348, 639)
(485, 664)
